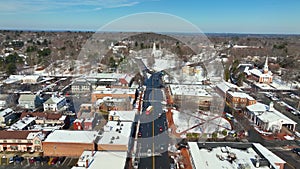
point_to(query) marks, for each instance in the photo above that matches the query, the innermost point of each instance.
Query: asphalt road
(154, 140)
(292, 159)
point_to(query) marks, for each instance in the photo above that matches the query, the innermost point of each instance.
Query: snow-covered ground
(210, 122)
(162, 64)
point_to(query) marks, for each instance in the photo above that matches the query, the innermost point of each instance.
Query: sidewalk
(186, 158)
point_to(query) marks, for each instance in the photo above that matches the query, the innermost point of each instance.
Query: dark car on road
(296, 150)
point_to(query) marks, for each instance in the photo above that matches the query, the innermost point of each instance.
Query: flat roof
(264, 86)
(189, 90)
(102, 159)
(111, 134)
(115, 91)
(101, 76)
(240, 95)
(27, 97)
(218, 156)
(225, 86)
(124, 115)
(72, 136)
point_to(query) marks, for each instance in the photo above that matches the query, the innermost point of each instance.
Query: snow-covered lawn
(210, 122)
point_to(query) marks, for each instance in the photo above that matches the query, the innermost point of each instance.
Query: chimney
(86, 163)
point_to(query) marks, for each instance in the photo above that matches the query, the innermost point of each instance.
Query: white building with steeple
(156, 53)
(262, 76)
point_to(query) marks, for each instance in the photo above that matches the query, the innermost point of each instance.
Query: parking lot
(66, 164)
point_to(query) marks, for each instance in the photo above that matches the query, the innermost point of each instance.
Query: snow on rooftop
(5, 112)
(211, 159)
(162, 64)
(22, 123)
(123, 115)
(189, 90)
(46, 128)
(32, 135)
(272, 158)
(63, 118)
(72, 136)
(102, 159)
(106, 75)
(54, 100)
(113, 135)
(261, 111)
(223, 87)
(78, 120)
(241, 95)
(281, 85)
(115, 90)
(89, 120)
(264, 86)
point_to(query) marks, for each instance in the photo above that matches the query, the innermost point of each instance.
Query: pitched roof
(49, 116)
(26, 97)
(16, 134)
(54, 100)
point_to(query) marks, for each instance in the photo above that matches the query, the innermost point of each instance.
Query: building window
(14, 148)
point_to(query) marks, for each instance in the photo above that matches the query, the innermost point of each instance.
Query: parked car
(54, 160)
(31, 160)
(19, 159)
(61, 160)
(11, 160)
(38, 159)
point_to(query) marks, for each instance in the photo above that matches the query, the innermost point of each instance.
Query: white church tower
(266, 67)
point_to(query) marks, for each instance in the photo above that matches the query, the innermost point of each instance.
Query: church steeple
(266, 67)
(153, 49)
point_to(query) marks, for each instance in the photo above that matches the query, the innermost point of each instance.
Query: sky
(210, 16)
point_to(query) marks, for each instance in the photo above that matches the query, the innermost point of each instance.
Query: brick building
(69, 143)
(21, 140)
(239, 100)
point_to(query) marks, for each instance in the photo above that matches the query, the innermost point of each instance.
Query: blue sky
(230, 16)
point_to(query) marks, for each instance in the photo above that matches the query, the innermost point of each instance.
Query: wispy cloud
(9, 6)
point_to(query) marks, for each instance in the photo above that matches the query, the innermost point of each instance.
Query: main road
(153, 141)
